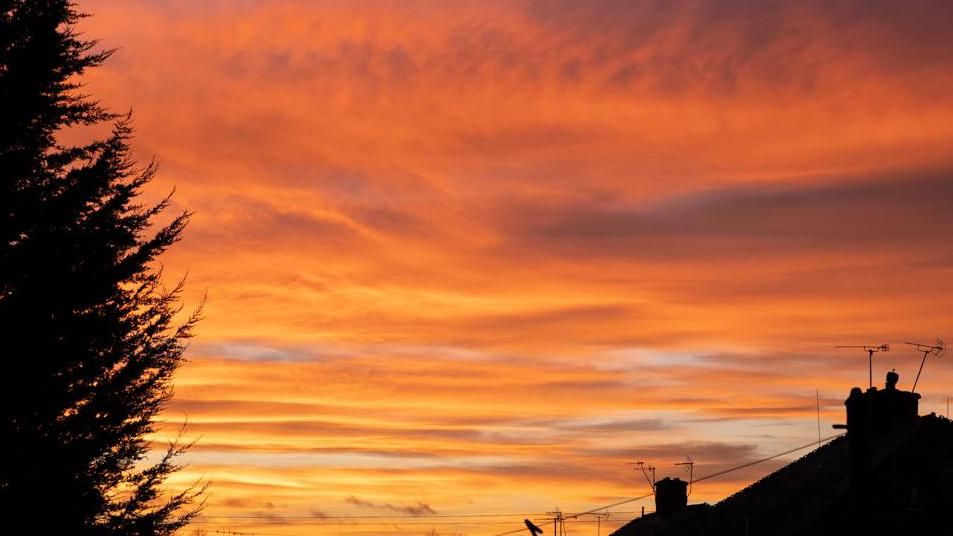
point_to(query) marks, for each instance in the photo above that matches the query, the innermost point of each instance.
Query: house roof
(809, 493)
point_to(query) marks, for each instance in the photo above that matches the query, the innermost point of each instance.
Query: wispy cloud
(416, 509)
(483, 253)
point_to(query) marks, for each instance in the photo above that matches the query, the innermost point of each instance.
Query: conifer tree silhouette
(89, 340)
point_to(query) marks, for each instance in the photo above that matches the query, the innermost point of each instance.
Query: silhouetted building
(891, 474)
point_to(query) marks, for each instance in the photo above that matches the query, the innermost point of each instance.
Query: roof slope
(809, 496)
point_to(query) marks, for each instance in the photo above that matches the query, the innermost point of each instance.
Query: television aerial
(646, 469)
(936, 349)
(870, 349)
(689, 463)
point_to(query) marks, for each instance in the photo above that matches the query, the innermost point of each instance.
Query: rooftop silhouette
(890, 474)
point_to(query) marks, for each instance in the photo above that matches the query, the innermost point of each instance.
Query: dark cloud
(416, 509)
(224, 406)
(262, 509)
(269, 516)
(703, 452)
(320, 428)
(239, 502)
(598, 466)
(744, 411)
(718, 46)
(859, 215)
(359, 502)
(610, 425)
(709, 458)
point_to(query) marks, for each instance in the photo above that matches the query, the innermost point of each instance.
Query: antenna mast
(870, 349)
(559, 522)
(600, 516)
(646, 469)
(691, 472)
(936, 349)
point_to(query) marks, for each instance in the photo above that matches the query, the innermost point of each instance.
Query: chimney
(871, 415)
(876, 413)
(671, 496)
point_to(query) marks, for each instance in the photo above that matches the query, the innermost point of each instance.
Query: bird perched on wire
(533, 529)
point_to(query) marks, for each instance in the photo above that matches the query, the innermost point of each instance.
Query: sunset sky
(470, 258)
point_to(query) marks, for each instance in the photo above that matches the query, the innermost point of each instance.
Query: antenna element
(870, 349)
(646, 469)
(691, 472)
(936, 349)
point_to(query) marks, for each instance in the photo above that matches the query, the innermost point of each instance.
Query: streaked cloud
(416, 509)
(471, 254)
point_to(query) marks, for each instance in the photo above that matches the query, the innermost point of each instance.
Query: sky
(471, 258)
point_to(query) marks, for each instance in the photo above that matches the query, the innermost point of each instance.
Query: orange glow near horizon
(471, 257)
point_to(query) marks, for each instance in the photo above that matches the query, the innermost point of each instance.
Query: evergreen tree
(89, 340)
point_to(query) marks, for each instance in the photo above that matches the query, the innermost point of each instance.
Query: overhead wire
(706, 477)
(281, 518)
(769, 458)
(410, 519)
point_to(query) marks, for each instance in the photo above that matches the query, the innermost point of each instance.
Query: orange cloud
(479, 254)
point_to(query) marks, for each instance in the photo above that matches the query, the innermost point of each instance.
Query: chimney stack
(671, 496)
(871, 415)
(877, 413)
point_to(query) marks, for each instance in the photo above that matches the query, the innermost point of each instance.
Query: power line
(769, 458)
(279, 517)
(401, 519)
(706, 477)
(576, 515)
(237, 533)
(365, 523)
(397, 526)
